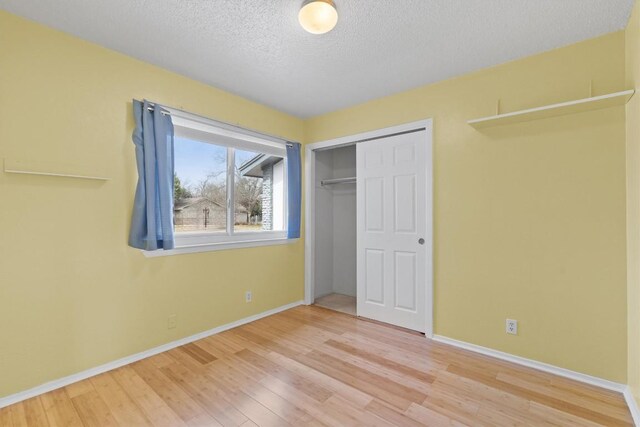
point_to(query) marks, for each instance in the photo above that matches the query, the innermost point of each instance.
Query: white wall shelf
(570, 107)
(47, 169)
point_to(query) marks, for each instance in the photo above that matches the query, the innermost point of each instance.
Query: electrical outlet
(512, 327)
(248, 296)
(172, 322)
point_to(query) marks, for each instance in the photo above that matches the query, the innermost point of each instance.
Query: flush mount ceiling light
(318, 16)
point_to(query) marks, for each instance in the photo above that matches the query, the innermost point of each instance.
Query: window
(228, 187)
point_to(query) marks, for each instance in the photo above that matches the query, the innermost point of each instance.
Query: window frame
(208, 131)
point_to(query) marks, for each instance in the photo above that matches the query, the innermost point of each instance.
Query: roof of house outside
(253, 167)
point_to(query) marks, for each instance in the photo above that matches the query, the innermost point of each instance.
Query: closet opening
(335, 229)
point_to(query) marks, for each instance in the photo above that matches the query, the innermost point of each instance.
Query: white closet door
(392, 229)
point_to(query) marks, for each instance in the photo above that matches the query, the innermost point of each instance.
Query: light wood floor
(311, 366)
(338, 302)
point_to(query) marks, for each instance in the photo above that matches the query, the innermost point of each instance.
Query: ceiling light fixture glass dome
(318, 16)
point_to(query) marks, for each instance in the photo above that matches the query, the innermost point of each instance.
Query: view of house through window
(259, 190)
(202, 188)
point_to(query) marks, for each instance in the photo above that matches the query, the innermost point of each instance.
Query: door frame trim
(310, 196)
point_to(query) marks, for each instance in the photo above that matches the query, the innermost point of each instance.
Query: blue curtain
(294, 186)
(152, 218)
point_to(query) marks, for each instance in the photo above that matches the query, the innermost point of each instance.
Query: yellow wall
(73, 295)
(529, 219)
(633, 203)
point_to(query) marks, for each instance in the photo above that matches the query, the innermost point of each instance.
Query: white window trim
(210, 247)
(195, 242)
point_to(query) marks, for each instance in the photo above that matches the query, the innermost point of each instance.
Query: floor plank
(93, 410)
(310, 366)
(154, 408)
(124, 410)
(59, 409)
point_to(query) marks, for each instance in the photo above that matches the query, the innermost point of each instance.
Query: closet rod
(349, 180)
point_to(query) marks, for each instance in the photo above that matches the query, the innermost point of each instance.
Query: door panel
(405, 283)
(404, 153)
(374, 208)
(374, 264)
(404, 191)
(392, 215)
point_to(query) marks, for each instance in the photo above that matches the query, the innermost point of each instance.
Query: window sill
(210, 247)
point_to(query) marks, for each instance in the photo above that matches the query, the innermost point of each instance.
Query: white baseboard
(545, 367)
(633, 405)
(55, 384)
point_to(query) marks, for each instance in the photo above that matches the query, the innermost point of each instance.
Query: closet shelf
(349, 180)
(570, 107)
(46, 169)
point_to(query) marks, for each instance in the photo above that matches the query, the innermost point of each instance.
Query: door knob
(421, 241)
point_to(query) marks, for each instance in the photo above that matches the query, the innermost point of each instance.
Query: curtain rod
(218, 123)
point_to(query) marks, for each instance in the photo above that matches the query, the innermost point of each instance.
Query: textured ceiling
(257, 49)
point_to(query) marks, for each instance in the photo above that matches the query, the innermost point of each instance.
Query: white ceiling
(257, 49)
